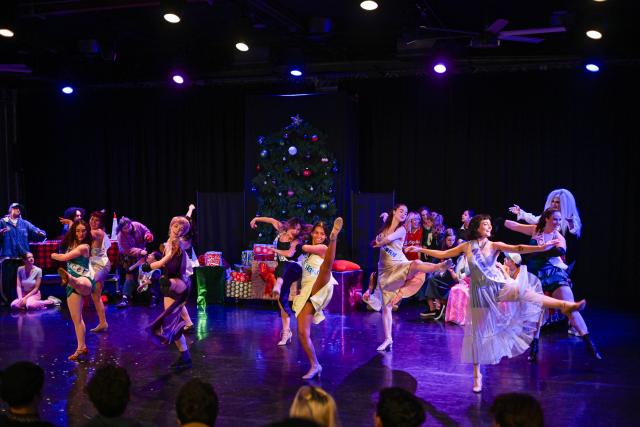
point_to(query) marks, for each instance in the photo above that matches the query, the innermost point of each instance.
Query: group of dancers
(505, 305)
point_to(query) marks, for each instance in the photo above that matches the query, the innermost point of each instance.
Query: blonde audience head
(315, 404)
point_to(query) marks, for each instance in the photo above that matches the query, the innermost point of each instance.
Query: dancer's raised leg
(324, 276)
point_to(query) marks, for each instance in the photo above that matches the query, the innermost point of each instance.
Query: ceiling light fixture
(6, 32)
(242, 46)
(369, 5)
(67, 90)
(594, 34)
(440, 68)
(592, 67)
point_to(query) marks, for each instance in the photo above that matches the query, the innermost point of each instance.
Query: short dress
(548, 266)
(503, 313)
(310, 270)
(80, 267)
(100, 261)
(393, 272)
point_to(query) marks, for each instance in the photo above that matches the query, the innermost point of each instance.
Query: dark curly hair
(474, 225)
(69, 240)
(399, 407)
(197, 402)
(108, 390)
(20, 383)
(543, 218)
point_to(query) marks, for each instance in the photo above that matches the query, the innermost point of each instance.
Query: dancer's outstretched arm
(319, 250)
(449, 253)
(526, 249)
(80, 250)
(528, 229)
(401, 232)
(274, 222)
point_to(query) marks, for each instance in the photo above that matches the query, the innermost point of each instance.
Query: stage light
(295, 72)
(594, 34)
(67, 90)
(440, 68)
(6, 32)
(177, 79)
(592, 67)
(242, 47)
(369, 5)
(172, 18)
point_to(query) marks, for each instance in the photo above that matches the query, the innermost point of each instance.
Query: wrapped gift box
(456, 311)
(263, 252)
(349, 285)
(259, 285)
(240, 290)
(212, 258)
(241, 276)
(247, 257)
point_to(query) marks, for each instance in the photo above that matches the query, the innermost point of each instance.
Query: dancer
(187, 245)
(496, 330)
(316, 288)
(78, 278)
(71, 214)
(288, 270)
(552, 271)
(397, 276)
(174, 285)
(439, 284)
(28, 287)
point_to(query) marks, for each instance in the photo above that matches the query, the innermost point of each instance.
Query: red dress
(413, 239)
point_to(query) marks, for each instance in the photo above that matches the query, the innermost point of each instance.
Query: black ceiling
(104, 42)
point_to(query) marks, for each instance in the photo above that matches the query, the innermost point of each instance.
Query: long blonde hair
(315, 404)
(568, 209)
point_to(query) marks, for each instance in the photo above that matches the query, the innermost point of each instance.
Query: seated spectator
(398, 407)
(21, 387)
(315, 404)
(197, 404)
(516, 410)
(108, 390)
(28, 287)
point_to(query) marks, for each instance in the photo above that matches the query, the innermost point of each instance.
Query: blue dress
(504, 313)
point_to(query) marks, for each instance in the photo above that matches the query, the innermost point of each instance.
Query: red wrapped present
(212, 258)
(263, 252)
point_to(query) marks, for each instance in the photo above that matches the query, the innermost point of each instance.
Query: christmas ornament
(308, 211)
(307, 156)
(258, 168)
(324, 160)
(254, 189)
(290, 193)
(285, 136)
(260, 140)
(279, 193)
(311, 188)
(305, 136)
(323, 206)
(296, 120)
(281, 143)
(264, 154)
(306, 173)
(335, 169)
(314, 138)
(293, 150)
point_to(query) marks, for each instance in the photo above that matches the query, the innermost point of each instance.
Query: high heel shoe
(387, 345)
(285, 337)
(591, 347)
(477, 383)
(570, 307)
(313, 372)
(75, 356)
(100, 328)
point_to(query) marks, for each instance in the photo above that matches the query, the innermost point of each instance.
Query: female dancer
(28, 286)
(497, 331)
(99, 263)
(552, 271)
(174, 285)
(288, 270)
(316, 288)
(397, 276)
(78, 277)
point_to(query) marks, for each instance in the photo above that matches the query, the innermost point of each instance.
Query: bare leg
(286, 326)
(277, 287)
(325, 268)
(575, 318)
(35, 303)
(387, 325)
(81, 285)
(96, 297)
(185, 316)
(566, 306)
(425, 267)
(74, 301)
(305, 318)
(477, 378)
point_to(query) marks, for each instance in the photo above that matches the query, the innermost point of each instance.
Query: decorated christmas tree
(295, 176)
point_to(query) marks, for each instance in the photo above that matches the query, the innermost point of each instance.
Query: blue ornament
(323, 206)
(305, 136)
(260, 140)
(284, 211)
(293, 150)
(286, 169)
(285, 136)
(335, 169)
(254, 189)
(298, 205)
(264, 154)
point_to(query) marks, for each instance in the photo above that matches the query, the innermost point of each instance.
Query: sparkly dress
(393, 272)
(310, 271)
(503, 313)
(169, 325)
(80, 267)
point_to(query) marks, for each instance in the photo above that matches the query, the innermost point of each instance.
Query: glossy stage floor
(234, 348)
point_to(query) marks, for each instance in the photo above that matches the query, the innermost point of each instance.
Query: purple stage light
(592, 67)
(295, 72)
(178, 79)
(67, 90)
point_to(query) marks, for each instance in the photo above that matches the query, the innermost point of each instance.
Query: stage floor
(234, 349)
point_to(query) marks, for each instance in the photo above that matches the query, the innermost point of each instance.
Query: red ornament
(314, 138)
(306, 173)
(258, 168)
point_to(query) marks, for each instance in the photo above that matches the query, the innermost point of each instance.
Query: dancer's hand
(253, 224)
(384, 216)
(366, 295)
(551, 244)
(515, 209)
(413, 249)
(65, 221)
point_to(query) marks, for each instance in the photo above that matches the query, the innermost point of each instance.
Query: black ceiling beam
(65, 7)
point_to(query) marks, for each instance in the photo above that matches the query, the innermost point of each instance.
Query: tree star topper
(296, 120)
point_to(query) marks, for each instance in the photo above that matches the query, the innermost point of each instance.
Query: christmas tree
(295, 177)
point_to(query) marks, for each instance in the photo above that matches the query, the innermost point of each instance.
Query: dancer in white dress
(397, 276)
(498, 330)
(316, 288)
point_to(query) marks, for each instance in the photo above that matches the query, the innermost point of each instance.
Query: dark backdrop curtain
(488, 141)
(140, 152)
(221, 225)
